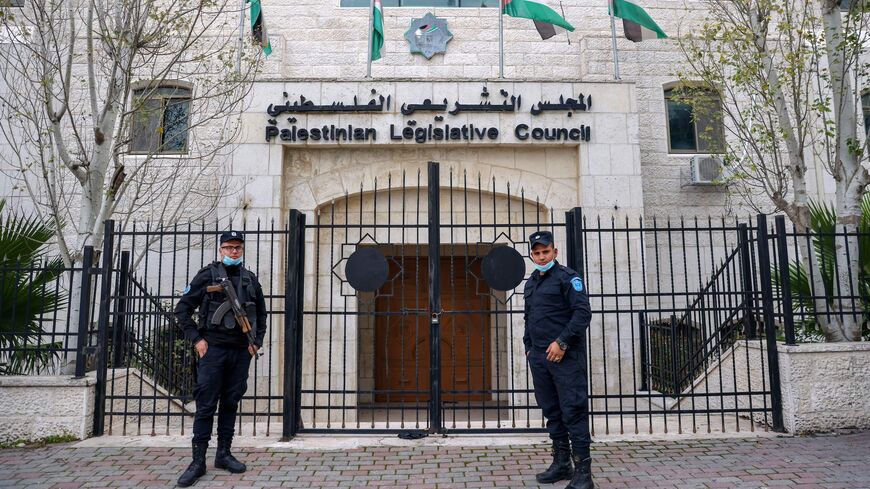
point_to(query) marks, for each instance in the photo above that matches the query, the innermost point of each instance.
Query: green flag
(545, 18)
(377, 29)
(258, 27)
(638, 25)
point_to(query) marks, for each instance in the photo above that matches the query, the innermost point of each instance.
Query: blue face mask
(544, 268)
(232, 262)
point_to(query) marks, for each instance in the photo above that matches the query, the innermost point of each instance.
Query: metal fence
(400, 308)
(668, 301)
(152, 372)
(42, 305)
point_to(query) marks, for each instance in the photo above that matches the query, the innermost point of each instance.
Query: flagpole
(371, 28)
(241, 38)
(500, 39)
(567, 34)
(613, 41)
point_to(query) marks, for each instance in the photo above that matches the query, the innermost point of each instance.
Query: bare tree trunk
(848, 264)
(798, 210)
(847, 172)
(68, 364)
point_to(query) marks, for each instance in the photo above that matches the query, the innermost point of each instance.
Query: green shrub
(823, 224)
(27, 292)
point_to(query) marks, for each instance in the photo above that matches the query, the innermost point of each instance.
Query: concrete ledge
(46, 381)
(856, 346)
(319, 442)
(825, 386)
(36, 407)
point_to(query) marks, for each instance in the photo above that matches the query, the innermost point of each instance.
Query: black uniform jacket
(195, 296)
(556, 307)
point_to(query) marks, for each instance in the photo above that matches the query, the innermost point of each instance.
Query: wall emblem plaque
(428, 36)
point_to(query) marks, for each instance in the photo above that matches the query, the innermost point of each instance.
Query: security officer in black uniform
(557, 315)
(224, 351)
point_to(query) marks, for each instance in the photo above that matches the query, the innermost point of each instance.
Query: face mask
(232, 262)
(544, 268)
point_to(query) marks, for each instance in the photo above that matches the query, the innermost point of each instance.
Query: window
(424, 3)
(11, 3)
(160, 120)
(694, 121)
(865, 108)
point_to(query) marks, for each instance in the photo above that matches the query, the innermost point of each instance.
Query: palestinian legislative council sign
(487, 118)
(428, 36)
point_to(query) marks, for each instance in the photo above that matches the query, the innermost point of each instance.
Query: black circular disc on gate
(366, 269)
(503, 268)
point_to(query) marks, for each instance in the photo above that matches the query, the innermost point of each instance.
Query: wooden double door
(402, 332)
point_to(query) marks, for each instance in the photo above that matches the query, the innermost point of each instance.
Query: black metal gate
(399, 308)
(410, 317)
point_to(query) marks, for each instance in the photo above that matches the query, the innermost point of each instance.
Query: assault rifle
(233, 303)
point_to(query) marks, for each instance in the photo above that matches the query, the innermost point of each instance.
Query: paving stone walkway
(829, 462)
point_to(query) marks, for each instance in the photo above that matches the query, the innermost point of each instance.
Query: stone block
(611, 192)
(825, 386)
(259, 191)
(561, 162)
(252, 159)
(609, 128)
(625, 159)
(36, 407)
(599, 159)
(300, 197)
(265, 93)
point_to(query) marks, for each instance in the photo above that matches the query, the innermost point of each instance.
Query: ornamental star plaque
(428, 36)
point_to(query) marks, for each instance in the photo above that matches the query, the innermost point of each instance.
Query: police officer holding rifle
(227, 333)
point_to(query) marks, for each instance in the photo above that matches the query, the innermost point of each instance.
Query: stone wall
(652, 66)
(825, 386)
(320, 40)
(602, 174)
(36, 407)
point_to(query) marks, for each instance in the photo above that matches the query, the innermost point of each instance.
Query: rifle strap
(221, 271)
(241, 290)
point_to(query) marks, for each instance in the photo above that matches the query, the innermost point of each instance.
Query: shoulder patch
(577, 284)
(186, 290)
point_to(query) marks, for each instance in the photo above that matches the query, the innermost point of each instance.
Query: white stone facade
(321, 44)
(623, 170)
(603, 175)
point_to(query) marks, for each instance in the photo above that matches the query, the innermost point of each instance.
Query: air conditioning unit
(705, 170)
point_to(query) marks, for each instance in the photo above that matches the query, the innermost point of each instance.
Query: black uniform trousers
(561, 392)
(222, 379)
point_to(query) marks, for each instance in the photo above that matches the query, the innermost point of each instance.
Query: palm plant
(27, 293)
(823, 221)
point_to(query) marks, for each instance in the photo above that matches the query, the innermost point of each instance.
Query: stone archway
(341, 328)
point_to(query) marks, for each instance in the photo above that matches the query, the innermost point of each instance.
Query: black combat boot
(223, 459)
(582, 472)
(561, 468)
(196, 469)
